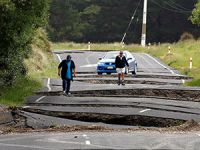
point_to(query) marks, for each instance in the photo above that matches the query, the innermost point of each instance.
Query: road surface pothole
(126, 120)
(178, 77)
(93, 81)
(139, 123)
(172, 94)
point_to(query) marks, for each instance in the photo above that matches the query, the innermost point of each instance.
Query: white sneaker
(64, 93)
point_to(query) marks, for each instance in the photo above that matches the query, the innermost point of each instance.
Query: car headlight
(100, 64)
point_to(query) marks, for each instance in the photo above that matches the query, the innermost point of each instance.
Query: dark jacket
(121, 63)
(64, 67)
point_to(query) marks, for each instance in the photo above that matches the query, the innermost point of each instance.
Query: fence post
(122, 44)
(89, 46)
(169, 50)
(190, 62)
(149, 44)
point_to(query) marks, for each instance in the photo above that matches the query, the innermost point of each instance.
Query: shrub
(186, 36)
(19, 19)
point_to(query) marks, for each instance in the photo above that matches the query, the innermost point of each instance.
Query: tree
(19, 21)
(107, 20)
(195, 18)
(71, 19)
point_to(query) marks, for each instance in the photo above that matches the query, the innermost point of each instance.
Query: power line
(133, 16)
(169, 9)
(180, 6)
(174, 7)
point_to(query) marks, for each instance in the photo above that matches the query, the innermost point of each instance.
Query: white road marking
(76, 143)
(87, 58)
(198, 134)
(142, 66)
(26, 107)
(144, 110)
(183, 81)
(172, 72)
(87, 142)
(40, 98)
(59, 57)
(89, 65)
(86, 137)
(26, 146)
(48, 84)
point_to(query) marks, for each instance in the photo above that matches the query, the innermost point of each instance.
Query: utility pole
(144, 25)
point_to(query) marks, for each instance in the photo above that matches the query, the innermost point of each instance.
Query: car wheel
(135, 70)
(99, 73)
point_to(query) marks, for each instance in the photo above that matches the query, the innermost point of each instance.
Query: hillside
(107, 20)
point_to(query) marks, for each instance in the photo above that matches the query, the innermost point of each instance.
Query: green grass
(179, 57)
(15, 94)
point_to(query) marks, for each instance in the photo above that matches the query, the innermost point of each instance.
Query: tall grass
(15, 94)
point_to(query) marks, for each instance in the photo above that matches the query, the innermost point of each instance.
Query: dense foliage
(107, 20)
(196, 14)
(19, 20)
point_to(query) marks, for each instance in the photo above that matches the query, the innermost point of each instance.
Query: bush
(195, 18)
(186, 36)
(19, 19)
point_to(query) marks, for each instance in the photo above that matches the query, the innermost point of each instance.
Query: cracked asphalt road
(101, 140)
(155, 94)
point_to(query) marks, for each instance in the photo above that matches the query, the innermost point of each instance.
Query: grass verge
(178, 58)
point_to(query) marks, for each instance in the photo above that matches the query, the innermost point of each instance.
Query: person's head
(69, 57)
(121, 53)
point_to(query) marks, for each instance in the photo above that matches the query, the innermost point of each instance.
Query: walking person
(121, 63)
(66, 70)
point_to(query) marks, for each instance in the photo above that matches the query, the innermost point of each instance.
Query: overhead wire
(180, 6)
(133, 16)
(169, 9)
(174, 7)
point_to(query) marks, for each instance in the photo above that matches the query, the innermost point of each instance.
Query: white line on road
(59, 57)
(48, 84)
(87, 58)
(183, 81)
(26, 146)
(40, 98)
(144, 110)
(198, 134)
(87, 142)
(89, 65)
(26, 107)
(172, 72)
(77, 143)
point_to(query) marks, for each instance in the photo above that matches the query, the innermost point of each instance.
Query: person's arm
(73, 69)
(116, 61)
(59, 68)
(126, 61)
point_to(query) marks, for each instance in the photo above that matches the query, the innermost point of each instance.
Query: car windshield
(112, 55)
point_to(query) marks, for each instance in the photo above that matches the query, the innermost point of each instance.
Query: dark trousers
(66, 85)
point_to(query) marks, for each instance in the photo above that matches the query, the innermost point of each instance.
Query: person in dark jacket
(121, 63)
(66, 70)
